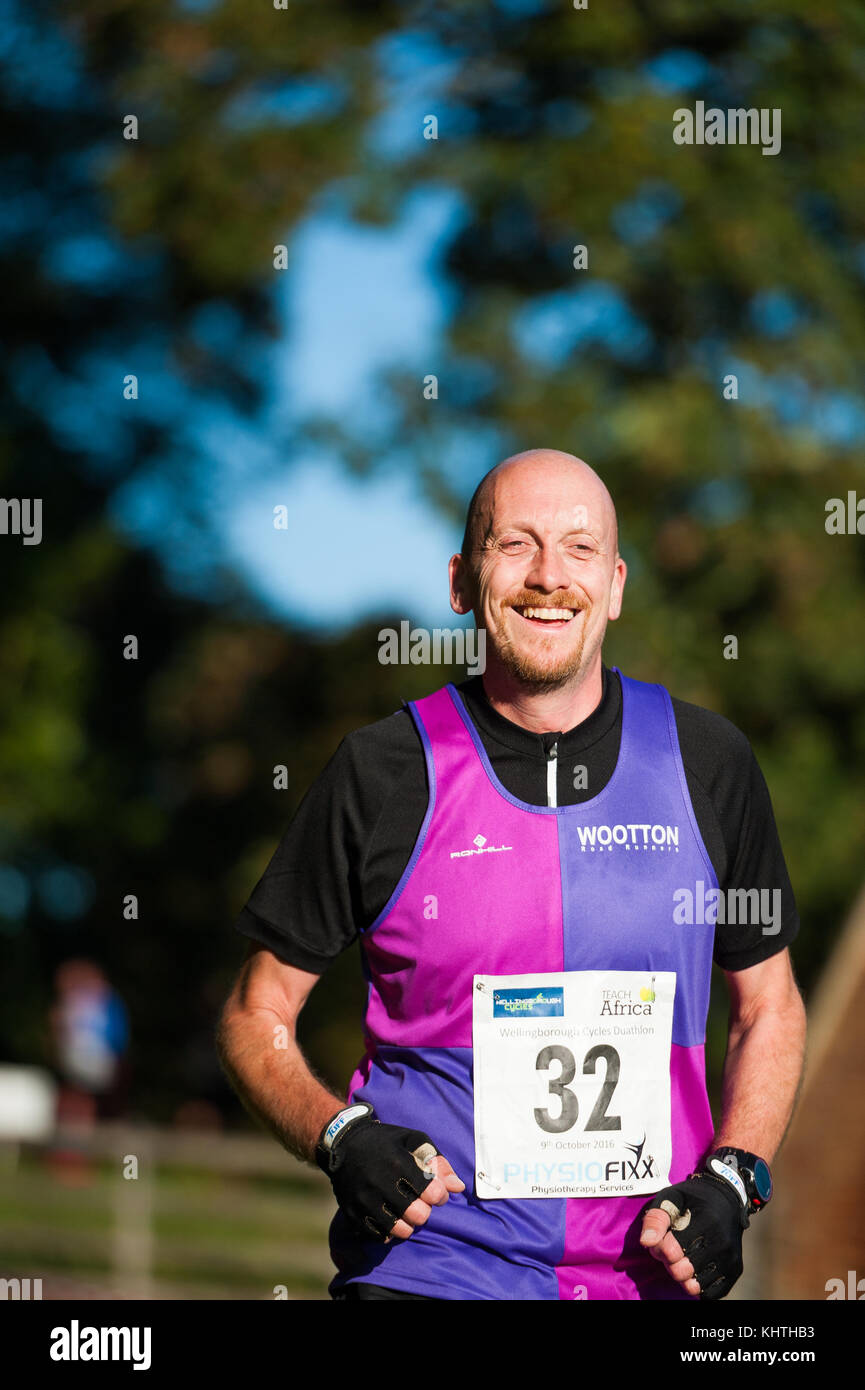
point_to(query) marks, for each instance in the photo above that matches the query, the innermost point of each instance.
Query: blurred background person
(90, 1038)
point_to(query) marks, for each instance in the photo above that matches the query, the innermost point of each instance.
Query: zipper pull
(552, 773)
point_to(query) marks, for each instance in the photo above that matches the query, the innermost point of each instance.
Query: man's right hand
(385, 1178)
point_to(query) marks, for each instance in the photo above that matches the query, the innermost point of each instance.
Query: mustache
(527, 599)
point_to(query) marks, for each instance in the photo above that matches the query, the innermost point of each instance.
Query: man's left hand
(695, 1228)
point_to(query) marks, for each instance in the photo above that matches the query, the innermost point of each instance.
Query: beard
(541, 668)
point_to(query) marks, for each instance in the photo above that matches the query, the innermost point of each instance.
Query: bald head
(536, 469)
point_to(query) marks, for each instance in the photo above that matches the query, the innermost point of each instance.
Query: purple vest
(583, 887)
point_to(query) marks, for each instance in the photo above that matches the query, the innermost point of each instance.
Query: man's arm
(762, 1074)
(765, 1055)
(257, 1045)
(276, 1083)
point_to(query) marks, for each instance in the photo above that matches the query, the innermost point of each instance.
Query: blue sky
(352, 547)
(354, 301)
(357, 299)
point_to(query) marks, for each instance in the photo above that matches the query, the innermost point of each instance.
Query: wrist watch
(748, 1174)
(335, 1127)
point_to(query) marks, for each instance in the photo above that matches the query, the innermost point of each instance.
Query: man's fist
(385, 1178)
(435, 1194)
(695, 1228)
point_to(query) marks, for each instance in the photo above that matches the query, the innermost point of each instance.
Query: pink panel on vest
(494, 910)
(602, 1251)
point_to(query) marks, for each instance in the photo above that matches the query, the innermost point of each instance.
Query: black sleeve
(758, 863)
(339, 860)
(734, 812)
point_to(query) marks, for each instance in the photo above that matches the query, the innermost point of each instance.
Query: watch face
(762, 1180)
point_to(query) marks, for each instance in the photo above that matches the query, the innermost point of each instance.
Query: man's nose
(547, 570)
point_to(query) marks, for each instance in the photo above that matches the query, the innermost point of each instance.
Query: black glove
(707, 1220)
(376, 1171)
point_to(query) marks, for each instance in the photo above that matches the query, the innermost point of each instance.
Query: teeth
(547, 614)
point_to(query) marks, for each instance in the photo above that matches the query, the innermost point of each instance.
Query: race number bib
(572, 1083)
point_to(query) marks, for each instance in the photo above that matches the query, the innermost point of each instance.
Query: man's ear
(617, 589)
(460, 585)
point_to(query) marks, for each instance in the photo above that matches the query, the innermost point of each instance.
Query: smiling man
(530, 1118)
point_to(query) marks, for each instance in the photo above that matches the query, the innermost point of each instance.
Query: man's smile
(546, 615)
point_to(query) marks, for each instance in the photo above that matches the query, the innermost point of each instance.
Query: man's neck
(545, 711)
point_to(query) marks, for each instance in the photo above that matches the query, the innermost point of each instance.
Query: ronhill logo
(636, 835)
(480, 847)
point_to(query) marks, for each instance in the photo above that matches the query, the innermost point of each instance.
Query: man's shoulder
(716, 754)
(370, 765)
(708, 731)
(399, 726)
(374, 764)
(716, 730)
(394, 735)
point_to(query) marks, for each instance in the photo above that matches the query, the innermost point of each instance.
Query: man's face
(547, 578)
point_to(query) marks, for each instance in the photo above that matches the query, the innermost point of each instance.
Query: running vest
(496, 887)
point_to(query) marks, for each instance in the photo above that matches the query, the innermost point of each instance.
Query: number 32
(599, 1119)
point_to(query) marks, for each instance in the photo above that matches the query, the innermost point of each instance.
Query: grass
(218, 1236)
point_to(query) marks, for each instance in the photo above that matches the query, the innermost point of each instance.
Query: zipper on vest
(552, 774)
